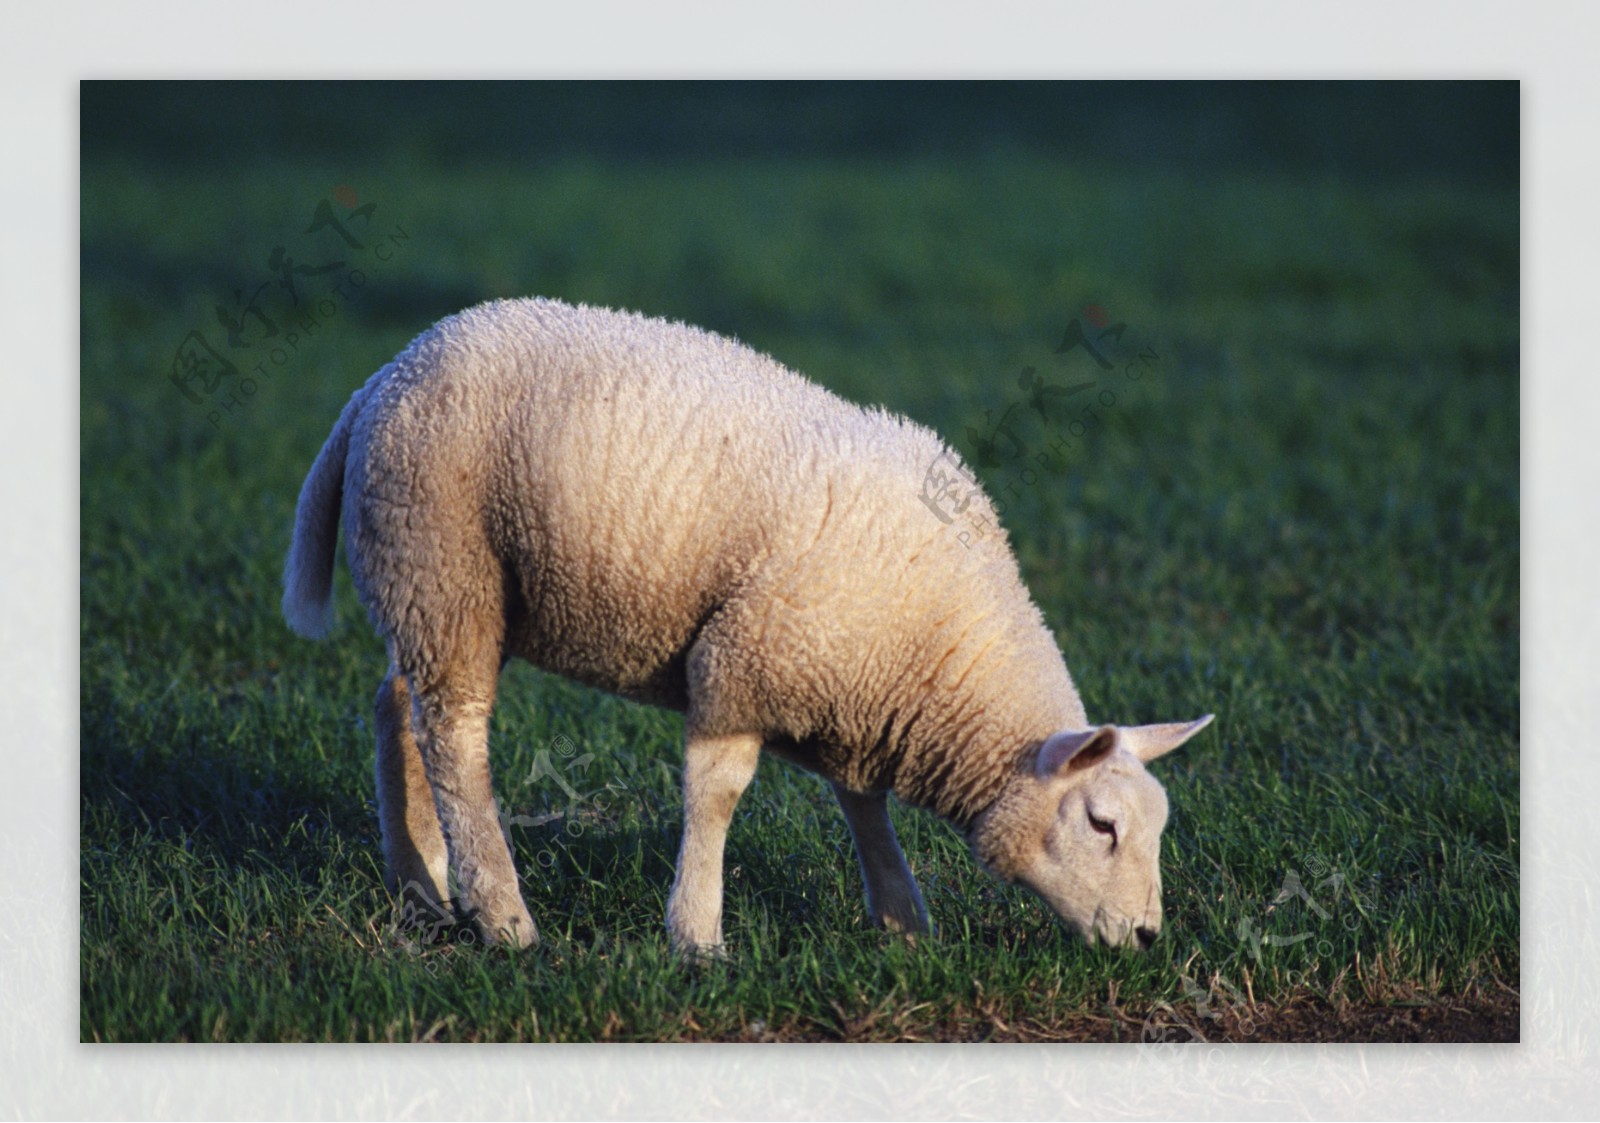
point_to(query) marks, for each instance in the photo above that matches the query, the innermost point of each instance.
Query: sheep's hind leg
(416, 861)
(893, 899)
(450, 714)
(716, 771)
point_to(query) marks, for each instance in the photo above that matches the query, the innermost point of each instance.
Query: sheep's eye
(1104, 826)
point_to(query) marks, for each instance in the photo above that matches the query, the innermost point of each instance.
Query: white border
(44, 1072)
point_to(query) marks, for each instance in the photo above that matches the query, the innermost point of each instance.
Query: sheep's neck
(957, 767)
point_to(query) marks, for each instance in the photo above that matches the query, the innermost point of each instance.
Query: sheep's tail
(308, 574)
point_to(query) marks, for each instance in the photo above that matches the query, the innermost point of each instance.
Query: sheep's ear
(1150, 741)
(1076, 749)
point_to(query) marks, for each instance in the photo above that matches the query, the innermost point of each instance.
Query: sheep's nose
(1147, 936)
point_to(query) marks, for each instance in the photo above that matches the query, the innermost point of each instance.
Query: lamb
(666, 514)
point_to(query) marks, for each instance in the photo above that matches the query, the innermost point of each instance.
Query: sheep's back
(636, 476)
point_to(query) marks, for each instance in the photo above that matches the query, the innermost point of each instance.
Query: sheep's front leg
(893, 899)
(716, 771)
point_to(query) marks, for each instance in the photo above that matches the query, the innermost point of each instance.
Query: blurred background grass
(1305, 518)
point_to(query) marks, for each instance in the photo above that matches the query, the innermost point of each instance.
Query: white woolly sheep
(663, 513)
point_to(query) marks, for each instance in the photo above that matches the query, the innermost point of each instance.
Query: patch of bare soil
(1495, 1018)
(1482, 1017)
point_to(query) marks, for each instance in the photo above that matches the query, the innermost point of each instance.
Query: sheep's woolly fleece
(599, 492)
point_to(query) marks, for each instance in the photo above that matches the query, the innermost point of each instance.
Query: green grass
(1305, 518)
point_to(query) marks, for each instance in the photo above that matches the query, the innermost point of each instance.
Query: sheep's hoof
(511, 929)
(908, 920)
(910, 928)
(518, 932)
(701, 955)
(910, 936)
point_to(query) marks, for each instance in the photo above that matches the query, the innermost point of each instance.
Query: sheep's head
(1082, 828)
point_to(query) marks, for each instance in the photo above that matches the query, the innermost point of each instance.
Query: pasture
(1302, 515)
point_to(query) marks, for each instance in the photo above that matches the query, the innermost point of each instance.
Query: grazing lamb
(666, 514)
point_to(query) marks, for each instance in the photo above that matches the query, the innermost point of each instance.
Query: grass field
(1304, 517)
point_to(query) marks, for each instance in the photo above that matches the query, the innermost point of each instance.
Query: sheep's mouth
(1122, 933)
